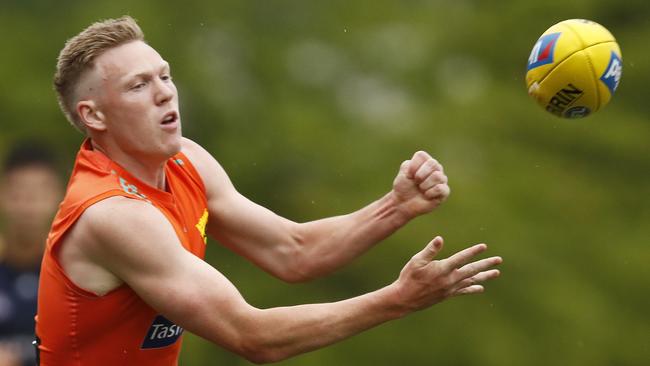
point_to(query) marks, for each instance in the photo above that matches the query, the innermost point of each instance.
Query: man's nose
(164, 91)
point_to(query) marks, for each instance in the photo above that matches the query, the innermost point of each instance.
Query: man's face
(29, 196)
(138, 101)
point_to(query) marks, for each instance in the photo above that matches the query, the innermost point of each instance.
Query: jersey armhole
(54, 247)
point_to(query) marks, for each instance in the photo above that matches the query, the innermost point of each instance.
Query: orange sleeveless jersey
(77, 327)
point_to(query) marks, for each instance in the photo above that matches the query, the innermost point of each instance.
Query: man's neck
(149, 172)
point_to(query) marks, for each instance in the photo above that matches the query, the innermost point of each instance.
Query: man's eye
(166, 77)
(138, 86)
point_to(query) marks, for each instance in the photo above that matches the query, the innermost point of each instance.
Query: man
(30, 191)
(123, 273)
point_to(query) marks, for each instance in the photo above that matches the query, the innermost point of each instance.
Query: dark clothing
(18, 292)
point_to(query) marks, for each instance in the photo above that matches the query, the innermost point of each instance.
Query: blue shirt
(18, 292)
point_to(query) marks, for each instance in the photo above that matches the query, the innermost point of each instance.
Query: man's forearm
(282, 332)
(333, 242)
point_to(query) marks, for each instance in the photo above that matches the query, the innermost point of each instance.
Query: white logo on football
(615, 70)
(534, 54)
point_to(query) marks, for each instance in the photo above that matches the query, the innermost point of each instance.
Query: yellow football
(574, 68)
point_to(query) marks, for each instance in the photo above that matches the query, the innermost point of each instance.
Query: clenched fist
(420, 185)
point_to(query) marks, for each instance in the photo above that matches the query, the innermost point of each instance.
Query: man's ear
(90, 115)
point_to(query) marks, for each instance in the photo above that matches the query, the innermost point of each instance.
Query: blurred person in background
(30, 191)
(123, 273)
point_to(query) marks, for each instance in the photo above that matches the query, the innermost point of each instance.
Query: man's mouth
(169, 118)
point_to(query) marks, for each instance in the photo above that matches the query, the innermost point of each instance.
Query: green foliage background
(311, 107)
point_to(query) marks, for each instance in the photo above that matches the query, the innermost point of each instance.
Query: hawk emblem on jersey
(131, 189)
(543, 50)
(203, 221)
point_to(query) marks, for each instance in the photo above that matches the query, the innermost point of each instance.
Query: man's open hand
(425, 281)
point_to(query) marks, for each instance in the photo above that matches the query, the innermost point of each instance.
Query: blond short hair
(79, 54)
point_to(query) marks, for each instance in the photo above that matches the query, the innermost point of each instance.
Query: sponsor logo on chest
(162, 333)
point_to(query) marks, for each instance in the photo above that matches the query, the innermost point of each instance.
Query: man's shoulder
(189, 144)
(206, 165)
(108, 231)
(119, 208)
(215, 179)
(119, 214)
(195, 152)
(113, 227)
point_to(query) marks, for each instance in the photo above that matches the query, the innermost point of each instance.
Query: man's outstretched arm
(301, 251)
(197, 297)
